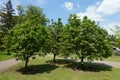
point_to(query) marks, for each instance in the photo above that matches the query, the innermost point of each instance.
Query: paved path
(4, 65)
(110, 63)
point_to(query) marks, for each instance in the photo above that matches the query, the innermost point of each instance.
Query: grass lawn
(114, 58)
(4, 56)
(40, 69)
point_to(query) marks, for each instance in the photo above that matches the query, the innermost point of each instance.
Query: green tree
(116, 35)
(7, 19)
(112, 39)
(86, 39)
(27, 13)
(33, 10)
(21, 14)
(55, 35)
(70, 33)
(25, 39)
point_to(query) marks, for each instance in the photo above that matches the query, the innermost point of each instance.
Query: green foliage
(30, 35)
(7, 19)
(69, 36)
(55, 35)
(33, 10)
(112, 38)
(116, 34)
(27, 38)
(117, 31)
(85, 39)
(21, 13)
(29, 12)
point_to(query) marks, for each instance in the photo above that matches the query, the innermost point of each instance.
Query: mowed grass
(4, 56)
(115, 58)
(42, 69)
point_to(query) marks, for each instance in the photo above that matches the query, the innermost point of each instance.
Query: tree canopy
(33, 10)
(55, 35)
(85, 39)
(27, 38)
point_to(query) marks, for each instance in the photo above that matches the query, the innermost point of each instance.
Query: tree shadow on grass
(87, 66)
(62, 61)
(35, 69)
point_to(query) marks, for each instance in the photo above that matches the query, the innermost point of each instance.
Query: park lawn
(42, 70)
(4, 56)
(114, 58)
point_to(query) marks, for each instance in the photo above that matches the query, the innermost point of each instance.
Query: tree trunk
(8, 52)
(82, 60)
(26, 62)
(54, 58)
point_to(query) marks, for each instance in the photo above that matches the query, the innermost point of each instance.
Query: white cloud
(109, 7)
(68, 5)
(91, 13)
(110, 26)
(98, 3)
(100, 11)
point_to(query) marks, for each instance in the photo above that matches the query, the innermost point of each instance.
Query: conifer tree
(6, 18)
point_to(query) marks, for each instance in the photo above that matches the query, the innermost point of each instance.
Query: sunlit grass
(115, 58)
(4, 56)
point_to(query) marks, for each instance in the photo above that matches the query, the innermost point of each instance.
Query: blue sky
(107, 12)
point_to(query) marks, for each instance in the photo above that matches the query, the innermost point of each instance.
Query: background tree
(7, 19)
(30, 35)
(55, 35)
(70, 34)
(33, 10)
(21, 14)
(95, 43)
(86, 39)
(116, 35)
(26, 39)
